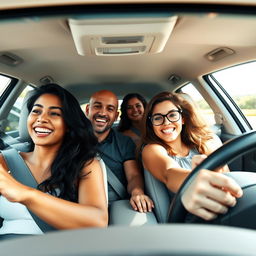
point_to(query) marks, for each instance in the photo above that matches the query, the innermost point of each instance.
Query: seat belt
(116, 184)
(21, 173)
(7, 140)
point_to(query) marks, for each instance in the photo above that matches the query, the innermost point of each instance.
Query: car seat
(23, 131)
(23, 142)
(161, 196)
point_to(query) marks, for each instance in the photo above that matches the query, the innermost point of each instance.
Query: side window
(235, 78)
(200, 102)
(14, 115)
(4, 82)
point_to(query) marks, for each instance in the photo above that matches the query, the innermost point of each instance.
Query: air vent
(10, 59)
(219, 53)
(121, 36)
(120, 50)
(122, 40)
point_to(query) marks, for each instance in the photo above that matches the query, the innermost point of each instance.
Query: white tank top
(17, 219)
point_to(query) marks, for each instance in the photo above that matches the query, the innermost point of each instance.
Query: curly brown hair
(195, 132)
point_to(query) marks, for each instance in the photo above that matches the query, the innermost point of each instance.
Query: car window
(4, 82)
(201, 103)
(231, 80)
(14, 115)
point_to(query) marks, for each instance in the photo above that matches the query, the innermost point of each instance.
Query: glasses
(172, 116)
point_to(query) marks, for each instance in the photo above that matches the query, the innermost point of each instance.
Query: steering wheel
(223, 155)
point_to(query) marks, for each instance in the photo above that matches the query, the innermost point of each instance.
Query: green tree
(246, 102)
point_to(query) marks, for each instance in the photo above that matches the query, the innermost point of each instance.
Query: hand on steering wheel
(229, 151)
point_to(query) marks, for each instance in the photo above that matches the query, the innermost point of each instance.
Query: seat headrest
(23, 130)
(160, 195)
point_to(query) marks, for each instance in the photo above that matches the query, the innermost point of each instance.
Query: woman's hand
(11, 189)
(197, 159)
(141, 202)
(211, 194)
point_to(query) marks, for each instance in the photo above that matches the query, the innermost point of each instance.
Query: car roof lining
(49, 34)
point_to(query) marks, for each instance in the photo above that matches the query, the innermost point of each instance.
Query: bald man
(117, 150)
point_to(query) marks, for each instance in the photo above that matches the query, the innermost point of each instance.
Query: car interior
(144, 47)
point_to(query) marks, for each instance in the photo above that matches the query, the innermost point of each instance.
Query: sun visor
(121, 36)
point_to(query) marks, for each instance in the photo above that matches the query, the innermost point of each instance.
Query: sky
(235, 78)
(4, 81)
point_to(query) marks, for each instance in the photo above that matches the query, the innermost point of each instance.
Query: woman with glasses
(177, 139)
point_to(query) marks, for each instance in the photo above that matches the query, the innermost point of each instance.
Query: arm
(163, 167)
(91, 209)
(135, 187)
(213, 145)
(209, 194)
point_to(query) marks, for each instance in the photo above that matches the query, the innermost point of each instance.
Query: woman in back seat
(63, 163)
(132, 108)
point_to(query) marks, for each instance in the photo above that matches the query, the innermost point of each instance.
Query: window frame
(8, 89)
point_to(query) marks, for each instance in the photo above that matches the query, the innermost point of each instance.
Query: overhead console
(121, 36)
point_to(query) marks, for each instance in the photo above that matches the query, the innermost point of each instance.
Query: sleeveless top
(17, 219)
(185, 161)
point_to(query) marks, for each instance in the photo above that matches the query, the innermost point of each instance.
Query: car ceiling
(47, 49)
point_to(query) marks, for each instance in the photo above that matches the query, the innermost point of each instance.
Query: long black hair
(79, 145)
(125, 122)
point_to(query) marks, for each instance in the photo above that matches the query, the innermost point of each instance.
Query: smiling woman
(62, 163)
(175, 140)
(116, 45)
(132, 111)
(45, 121)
